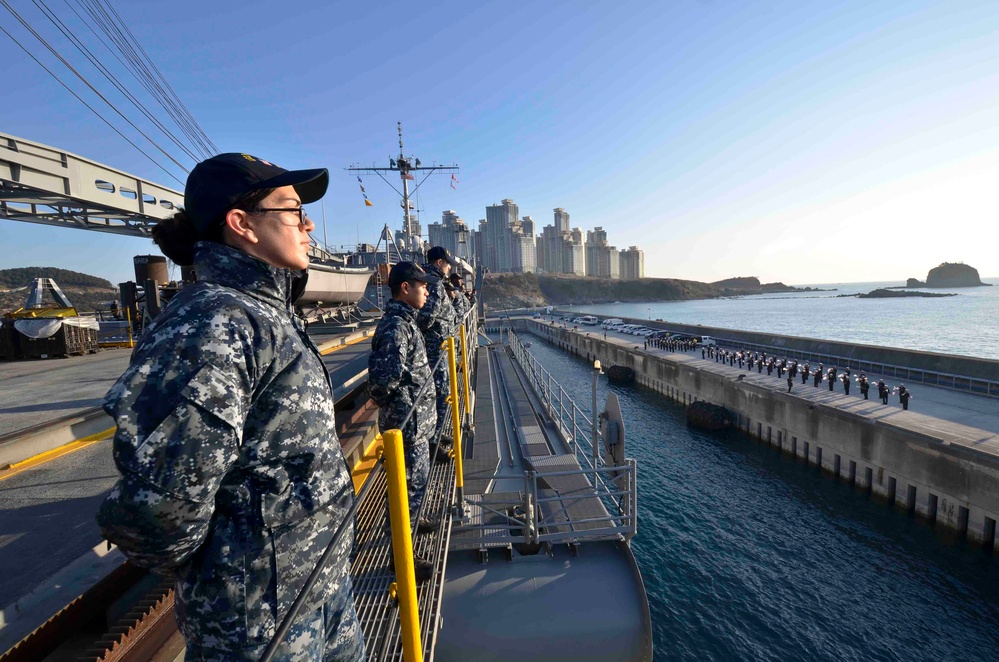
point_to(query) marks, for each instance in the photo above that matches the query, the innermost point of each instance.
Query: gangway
(49, 186)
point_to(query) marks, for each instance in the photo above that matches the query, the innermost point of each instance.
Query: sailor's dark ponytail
(177, 235)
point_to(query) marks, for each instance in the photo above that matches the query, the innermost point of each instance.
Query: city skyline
(807, 143)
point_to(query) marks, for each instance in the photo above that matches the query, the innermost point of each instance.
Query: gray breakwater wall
(916, 467)
(965, 373)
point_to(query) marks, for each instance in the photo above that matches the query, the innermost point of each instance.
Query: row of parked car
(618, 325)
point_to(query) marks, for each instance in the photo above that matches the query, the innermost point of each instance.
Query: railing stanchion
(465, 371)
(402, 546)
(459, 479)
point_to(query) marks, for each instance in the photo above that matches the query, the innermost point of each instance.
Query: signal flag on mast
(454, 180)
(367, 203)
(408, 176)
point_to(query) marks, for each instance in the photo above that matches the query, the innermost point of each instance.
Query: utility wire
(94, 111)
(130, 66)
(183, 108)
(142, 67)
(80, 46)
(134, 64)
(86, 82)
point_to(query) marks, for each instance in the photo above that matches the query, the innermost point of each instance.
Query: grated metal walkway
(372, 574)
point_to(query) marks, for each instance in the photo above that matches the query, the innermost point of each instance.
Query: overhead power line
(83, 79)
(145, 70)
(80, 46)
(91, 108)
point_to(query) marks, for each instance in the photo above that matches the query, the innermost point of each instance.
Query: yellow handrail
(402, 546)
(459, 482)
(466, 370)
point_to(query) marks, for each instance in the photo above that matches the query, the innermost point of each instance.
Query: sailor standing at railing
(437, 321)
(397, 370)
(233, 481)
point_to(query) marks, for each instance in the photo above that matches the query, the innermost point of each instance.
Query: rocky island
(949, 274)
(889, 294)
(742, 285)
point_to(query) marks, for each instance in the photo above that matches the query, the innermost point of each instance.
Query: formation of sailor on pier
(762, 361)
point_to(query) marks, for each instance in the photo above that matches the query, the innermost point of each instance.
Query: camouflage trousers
(328, 634)
(417, 474)
(417, 455)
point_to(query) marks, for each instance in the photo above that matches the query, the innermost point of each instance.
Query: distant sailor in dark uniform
(790, 382)
(846, 382)
(883, 391)
(865, 386)
(804, 374)
(903, 396)
(831, 377)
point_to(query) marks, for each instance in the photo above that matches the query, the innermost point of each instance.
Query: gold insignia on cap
(248, 157)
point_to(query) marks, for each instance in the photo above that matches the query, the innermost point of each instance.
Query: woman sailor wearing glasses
(233, 480)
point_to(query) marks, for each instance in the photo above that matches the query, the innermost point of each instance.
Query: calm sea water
(964, 324)
(750, 555)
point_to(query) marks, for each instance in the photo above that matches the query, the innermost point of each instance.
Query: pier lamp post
(596, 446)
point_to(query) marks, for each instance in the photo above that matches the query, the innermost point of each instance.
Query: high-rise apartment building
(632, 263)
(601, 258)
(561, 220)
(453, 234)
(574, 255)
(550, 251)
(497, 238)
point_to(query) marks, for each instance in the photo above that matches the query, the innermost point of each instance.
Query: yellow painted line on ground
(363, 468)
(346, 344)
(50, 455)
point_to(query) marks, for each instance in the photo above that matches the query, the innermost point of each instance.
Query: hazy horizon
(795, 141)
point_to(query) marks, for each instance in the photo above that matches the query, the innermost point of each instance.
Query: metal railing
(582, 499)
(392, 460)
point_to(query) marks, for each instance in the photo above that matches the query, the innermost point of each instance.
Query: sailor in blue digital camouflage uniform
(458, 300)
(437, 321)
(233, 480)
(397, 370)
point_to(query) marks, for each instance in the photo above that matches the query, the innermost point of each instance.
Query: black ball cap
(403, 272)
(217, 183)
(440, 253)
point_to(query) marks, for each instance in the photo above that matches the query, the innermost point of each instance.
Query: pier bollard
(459, 479)
(402, 546)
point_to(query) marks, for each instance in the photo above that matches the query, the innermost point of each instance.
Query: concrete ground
(967, 409)
(47, 516)
(36, 391)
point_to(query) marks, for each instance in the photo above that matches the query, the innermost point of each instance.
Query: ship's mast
(406, 166)
(407, 222)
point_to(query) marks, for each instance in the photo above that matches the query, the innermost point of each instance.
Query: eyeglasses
(299, 211)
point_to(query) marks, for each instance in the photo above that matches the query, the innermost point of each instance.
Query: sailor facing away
(233, 480)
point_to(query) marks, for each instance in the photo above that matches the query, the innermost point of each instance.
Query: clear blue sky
(808, 142)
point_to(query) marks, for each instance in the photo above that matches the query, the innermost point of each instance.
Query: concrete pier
(943, 470)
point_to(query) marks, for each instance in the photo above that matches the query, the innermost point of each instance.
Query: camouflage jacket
(436, 318)
(397, 369)
(232, 475)
(461, 307)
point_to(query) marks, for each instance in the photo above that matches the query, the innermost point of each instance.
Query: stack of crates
(68, 340)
